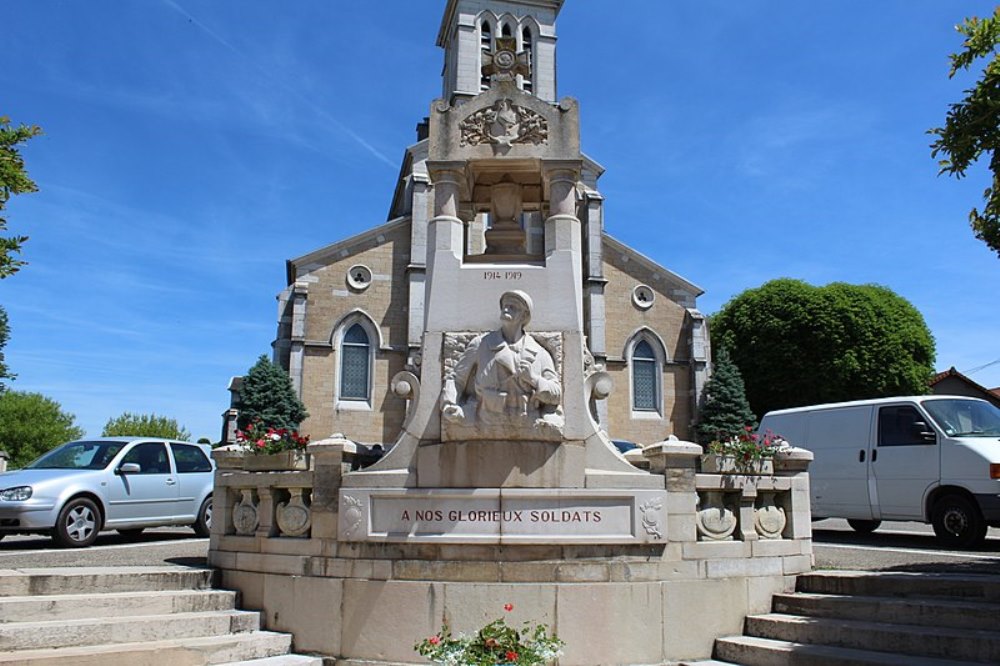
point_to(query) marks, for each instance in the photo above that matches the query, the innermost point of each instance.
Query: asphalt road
(154, 547)
(898, 547)
(894, 546)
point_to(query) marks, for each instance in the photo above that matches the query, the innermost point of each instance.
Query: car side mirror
(128, 468)
(922, 430)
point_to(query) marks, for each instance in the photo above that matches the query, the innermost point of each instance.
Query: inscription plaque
(528, 516)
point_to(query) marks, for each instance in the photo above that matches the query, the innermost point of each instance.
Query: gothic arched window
(355, 364)
(526, 46)
(645, 378)
(486, 46)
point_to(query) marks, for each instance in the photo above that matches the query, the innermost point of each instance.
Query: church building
(353, 313)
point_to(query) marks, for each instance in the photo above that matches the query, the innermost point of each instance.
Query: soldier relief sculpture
(504, 384)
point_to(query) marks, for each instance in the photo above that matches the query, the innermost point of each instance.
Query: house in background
(353, 312)
(953, 382)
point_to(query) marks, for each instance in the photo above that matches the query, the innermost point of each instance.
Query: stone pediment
(505, 122)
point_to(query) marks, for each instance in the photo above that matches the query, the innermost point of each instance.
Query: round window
(642, 297)
(359, 277)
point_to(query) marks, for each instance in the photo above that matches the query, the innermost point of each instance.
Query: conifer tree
(267, 394)
(725, 410)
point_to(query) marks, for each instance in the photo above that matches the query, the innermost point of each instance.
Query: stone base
(374, 612)
(491, 464)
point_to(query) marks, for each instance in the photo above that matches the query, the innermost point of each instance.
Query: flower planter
(792, 459)
(276, 462)
(228, 458)
(713, 463)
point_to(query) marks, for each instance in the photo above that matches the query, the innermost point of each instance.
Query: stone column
(446, 227)
(329, 457)
(300, 299)
(562, 227)
(677, 462)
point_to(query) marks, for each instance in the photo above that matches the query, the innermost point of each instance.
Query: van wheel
(864, 526)
(958, 522)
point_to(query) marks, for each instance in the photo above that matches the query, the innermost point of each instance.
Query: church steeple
(469, 34)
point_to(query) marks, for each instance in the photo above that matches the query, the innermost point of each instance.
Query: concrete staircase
(135, 616)
(848, 618)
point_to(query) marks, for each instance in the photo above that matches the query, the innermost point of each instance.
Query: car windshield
(79, 455)
(965, 418)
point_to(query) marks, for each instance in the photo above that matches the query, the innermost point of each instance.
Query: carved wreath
(504, 124)
(651, 517)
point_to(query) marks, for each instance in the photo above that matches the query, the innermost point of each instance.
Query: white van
(930, 458)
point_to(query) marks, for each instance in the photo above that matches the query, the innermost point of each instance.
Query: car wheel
(131, 533)
(203, 526)
(958, 522)
(78, 524)
(864, 526)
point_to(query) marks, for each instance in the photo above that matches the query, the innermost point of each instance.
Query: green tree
(13, 180)
(144, 425)
(267, 394)
(31, 424)
(797, 344)
(725, 411)
(972, 126)
(4, 337)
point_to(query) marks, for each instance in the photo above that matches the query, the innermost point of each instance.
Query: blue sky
(192, 146)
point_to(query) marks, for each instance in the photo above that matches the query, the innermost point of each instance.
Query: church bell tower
(469, 34)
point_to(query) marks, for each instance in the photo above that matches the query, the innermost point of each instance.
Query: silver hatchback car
(124, 483)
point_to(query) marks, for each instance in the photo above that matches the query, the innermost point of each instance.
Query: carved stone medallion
(768, 518)
(504, 124)
(294, 516)
(715, 520)
(245, 517)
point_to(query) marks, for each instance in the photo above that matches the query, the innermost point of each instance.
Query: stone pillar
(446, 227)
(300, 296)
(416, 269)
(328, 461)
(677, 461)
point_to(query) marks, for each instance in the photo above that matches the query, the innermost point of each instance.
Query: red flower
(433, 640)
(511, 655)
(508, 607)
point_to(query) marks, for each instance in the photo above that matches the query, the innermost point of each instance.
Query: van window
(897, 426)
(965, 418)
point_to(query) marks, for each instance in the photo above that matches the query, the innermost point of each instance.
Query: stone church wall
(667, 318)
(332, 301)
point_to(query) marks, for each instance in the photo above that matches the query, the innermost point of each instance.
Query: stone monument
(502, 488)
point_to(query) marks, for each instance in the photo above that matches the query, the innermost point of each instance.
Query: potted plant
(272, 448)
(496, 644)
(744, 453)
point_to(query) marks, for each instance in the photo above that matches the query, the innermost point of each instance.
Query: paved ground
(163, 545)
(898, 547)
(895, 546)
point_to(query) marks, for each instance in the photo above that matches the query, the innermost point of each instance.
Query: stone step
(923, 611)
(983, 587)
(87, 580)
(937, 642)
(752, 651)
(115, 604)
(283, 660)
(235, 648)
(111, 630)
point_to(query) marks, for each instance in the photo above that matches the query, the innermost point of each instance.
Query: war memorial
(502, 486)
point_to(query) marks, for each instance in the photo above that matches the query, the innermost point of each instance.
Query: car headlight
(18, 494)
